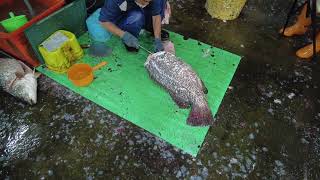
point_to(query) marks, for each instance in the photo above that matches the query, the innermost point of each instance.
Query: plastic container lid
(14, 22)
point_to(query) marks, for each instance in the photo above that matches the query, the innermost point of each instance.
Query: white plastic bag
(169, 47)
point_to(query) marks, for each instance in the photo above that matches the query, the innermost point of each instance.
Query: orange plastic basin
(82, 74)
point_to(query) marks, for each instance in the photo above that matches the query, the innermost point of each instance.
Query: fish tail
(200, 115)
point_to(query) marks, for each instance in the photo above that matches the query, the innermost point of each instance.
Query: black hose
(92, 4)
(314, 27)
(289, 15)
(27, 3)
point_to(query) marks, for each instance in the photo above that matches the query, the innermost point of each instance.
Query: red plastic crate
(15, 43)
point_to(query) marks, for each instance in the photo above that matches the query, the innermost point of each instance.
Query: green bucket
(14, 22)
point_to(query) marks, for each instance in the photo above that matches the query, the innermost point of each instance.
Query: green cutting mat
(124, 88)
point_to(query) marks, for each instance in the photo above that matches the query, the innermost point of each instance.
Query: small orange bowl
(80, 74)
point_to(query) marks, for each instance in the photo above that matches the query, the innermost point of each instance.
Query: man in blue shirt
(126, 18)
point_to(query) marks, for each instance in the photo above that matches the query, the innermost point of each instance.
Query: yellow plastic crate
(60, 51)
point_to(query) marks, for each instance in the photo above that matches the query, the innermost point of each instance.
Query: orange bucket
(82, 74)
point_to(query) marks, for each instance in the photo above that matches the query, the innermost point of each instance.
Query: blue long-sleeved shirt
(114, 10)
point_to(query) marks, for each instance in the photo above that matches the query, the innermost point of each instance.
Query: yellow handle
(100, 65)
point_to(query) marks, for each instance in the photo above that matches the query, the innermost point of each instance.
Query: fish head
(25, 87)
(153, 56)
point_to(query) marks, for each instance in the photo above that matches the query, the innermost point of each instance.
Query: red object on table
(15, 43)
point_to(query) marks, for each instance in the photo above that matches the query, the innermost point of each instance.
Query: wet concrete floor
(268, 125)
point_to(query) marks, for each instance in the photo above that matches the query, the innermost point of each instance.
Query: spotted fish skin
(183, 84)
(18, 79)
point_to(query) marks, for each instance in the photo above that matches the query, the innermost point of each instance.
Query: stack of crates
(15, 43)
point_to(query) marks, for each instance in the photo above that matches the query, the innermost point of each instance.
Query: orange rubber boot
(301, 26)
(307, 51)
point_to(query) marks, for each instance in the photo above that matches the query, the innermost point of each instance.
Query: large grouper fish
(183, 84)
(18, 79)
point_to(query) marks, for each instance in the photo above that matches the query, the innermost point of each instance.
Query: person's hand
(158, 45)
(130, 40)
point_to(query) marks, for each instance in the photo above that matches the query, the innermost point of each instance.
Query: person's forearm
(157, 26)
(113, 28)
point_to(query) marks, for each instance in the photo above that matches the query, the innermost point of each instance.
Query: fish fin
(204, 88)
(200, 116)
(26, 68)
(19, 75)
(182, 104)
(37, 75)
